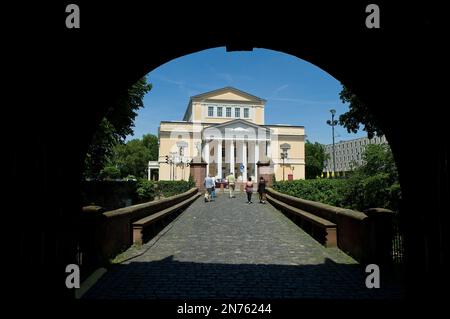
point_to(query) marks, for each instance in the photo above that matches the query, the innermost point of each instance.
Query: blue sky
(297, 92)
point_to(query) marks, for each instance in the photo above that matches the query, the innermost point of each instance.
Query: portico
(229, 146)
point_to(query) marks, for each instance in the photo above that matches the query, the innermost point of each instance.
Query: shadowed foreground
(230, 249)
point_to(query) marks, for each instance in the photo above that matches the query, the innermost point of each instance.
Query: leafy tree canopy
(378, 158)
(357, 115)
(373, 184)
(314, 159)
(150, 141)
(114, 127)
(132, 158)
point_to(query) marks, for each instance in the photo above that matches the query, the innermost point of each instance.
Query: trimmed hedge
(170, 188)
(373, 184)
(356, 192)
(327, 191)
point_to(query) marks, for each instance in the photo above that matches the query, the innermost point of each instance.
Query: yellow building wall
(298, 170)
(217, 119)
(295, 163)
(197, 112)
(229, 96)
(170, 134)
(164, 171)
(297, 144)
(259, 115)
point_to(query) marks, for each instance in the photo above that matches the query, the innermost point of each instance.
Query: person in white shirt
(209, 184)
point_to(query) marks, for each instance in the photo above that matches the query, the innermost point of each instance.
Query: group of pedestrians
(261, 190)
(210, 185)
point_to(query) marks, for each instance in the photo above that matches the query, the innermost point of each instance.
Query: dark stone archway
(77, 74)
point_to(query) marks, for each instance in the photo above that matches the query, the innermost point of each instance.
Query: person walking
(249, 189)
(231, 184)
(262, 190)
(213, 191)
(209, 185)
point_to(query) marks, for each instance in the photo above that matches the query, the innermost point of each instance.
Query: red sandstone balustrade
(366, 236)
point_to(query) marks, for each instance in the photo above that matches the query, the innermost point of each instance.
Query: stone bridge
(231, 249)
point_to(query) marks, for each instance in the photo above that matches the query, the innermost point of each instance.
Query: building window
(210, 111)
(228, 112)
(246, 113)
(237, 112)
(219, 111)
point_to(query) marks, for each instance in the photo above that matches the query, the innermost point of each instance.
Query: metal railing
(397, 241)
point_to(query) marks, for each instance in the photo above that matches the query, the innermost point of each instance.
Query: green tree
(357, 115)
(375, 183)
(114, 127)
(378, 158)
(314, 159)
(110, 172)
(132, 158)
(146, 190)
(150, 141)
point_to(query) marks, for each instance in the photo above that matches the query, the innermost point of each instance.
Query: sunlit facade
(226, 129)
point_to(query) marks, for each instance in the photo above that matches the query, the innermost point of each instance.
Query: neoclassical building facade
(226, 129)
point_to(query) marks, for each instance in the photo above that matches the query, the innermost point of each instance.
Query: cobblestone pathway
(231, 249)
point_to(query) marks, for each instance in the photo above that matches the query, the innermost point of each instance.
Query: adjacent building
(348, 153)
(226, 129)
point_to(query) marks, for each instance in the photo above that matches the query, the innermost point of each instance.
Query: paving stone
(231, 249)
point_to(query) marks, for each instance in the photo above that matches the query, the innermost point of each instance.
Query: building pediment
(236, 129)
(238, 123)
(228, 94)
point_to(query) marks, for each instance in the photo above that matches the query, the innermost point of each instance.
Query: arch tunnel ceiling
(390, 70)
(367, 61)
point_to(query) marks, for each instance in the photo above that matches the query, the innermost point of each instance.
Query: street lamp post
(284, 154)
(333, 123)
(173, 163)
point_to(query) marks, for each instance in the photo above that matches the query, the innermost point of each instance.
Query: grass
(126, 254)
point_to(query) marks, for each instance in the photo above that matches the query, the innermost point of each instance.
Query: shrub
(358, 191)
(395, 196)
(327, 191)
(170, 188)
(191, 181)
(362, 192)
(109, 172)
(146, 190)
(374, 184)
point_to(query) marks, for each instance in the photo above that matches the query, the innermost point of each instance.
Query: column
(206, 154)
(149, 173)
(219, 158)
(232, 157)
(269, 155)
(256, 159)
(244, 161)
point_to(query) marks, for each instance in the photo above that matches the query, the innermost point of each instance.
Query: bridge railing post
(90, 243)
(379, 237)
